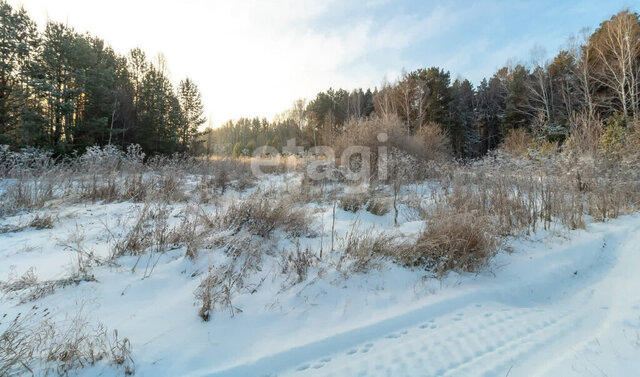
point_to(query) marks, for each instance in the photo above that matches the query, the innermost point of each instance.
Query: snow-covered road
(568, 309)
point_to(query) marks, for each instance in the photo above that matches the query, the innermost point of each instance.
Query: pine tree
(159, 116)
(18, 42)
(464, 134)
(192, 109)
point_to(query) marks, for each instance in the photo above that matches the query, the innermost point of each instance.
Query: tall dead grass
(34, 344)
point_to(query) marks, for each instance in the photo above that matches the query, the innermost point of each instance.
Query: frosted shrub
(29, 161)
(134, 157)
(106, 158)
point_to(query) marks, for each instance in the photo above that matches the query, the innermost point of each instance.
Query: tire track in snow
(457, 348)
(507, 326)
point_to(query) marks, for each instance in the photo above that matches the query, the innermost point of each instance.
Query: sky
(255, 58)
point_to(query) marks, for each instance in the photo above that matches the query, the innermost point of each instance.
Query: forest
(593, 83)
(64, 91)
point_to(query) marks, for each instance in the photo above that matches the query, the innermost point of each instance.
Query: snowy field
(554, 303)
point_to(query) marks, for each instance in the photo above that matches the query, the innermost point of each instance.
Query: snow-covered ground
(560, 304)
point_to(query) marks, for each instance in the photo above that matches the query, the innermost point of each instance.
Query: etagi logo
(322, 160)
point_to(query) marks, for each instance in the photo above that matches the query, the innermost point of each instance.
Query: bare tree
(404, 96)
(540, 87)
(615, 48)
(299, 112)
(583, 71)
(422, 96)
(383, 102)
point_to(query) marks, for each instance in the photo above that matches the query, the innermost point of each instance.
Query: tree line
(64, 91)
(597, 78)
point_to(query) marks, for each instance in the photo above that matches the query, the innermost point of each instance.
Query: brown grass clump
(262, 214)
(353, 201)
(216, 290)
(218, 287)
(459, 242)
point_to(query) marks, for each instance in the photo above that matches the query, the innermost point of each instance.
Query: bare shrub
(29, 192)
(365, 132)
(585, 134)
(517, 142)
(429, 143)
(217, 288)
(297, 262)
(27, 162)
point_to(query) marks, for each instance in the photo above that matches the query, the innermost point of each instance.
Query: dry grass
(106, 175)
(471, 209)
(297, 262)
(364, 249)
(216, 290)
(263, 213)
(27, 288)
(378, 206)
(460, 242)
(34, 344)
(218, 287)
(430, 143)
(354, 201)
(43, 222)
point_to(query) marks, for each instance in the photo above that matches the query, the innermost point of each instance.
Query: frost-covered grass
(202, 267)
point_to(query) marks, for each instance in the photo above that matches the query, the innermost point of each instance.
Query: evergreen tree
(18, 42)
(464, 134)
(159, 118)
(191, 102)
